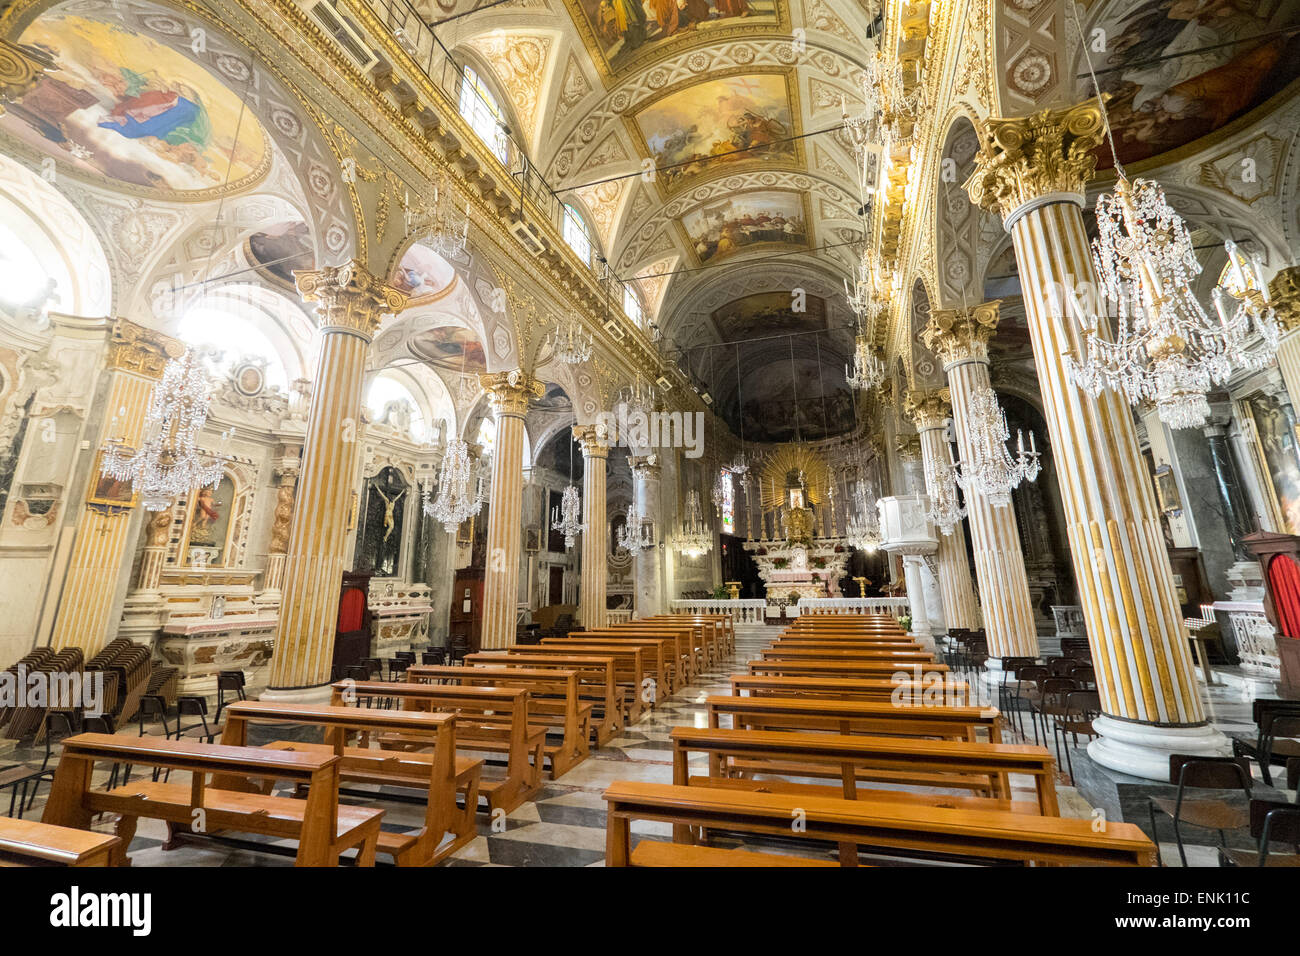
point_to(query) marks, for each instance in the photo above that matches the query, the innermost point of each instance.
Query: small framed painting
(1171, 502)
(109, 491)
(533, 540)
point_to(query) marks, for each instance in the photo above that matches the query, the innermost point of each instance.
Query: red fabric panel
(1284, 584)
(352, 606)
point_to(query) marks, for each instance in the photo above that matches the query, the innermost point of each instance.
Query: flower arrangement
(905, 621)
(819, 562)
(780, 563)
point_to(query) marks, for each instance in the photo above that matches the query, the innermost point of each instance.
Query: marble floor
(565, 824)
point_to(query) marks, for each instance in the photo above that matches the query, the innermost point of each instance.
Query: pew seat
(659, 854)
(32, 843)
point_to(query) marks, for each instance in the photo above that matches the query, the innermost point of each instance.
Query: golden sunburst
(790, 460)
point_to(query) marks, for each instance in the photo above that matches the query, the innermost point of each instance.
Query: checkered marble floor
(565, 824)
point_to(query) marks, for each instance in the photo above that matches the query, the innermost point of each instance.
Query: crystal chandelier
(694, 538)
(991, 471)
(863, 527)
(1242, 298)
(635, 535)
(868, 371)
(722, 489)
(437, 224)
(572, 345)
(168, 464)
(455, 502)
(946, 509)
(567, 519)
(638, 397)
(1165, 349)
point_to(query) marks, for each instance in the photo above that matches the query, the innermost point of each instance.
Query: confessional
(1279, 557)
(352, 631)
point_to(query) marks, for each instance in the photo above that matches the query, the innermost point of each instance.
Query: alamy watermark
(66, 691)
(635, 428)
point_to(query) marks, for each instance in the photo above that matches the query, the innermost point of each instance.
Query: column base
(320, 694)
(1143, 750)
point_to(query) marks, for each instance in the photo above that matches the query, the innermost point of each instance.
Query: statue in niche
(389, 505)
(379, 538)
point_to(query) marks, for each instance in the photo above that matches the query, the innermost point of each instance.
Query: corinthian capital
(646, 467)
(592, 438)
(352, 299)
(1284, 290)
(960, 335)
(510, 392)
(1025, 158)
(928, 409)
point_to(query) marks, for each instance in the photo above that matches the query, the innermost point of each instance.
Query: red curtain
(352, 605)
(1284, 584)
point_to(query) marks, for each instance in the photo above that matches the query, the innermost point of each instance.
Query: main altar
(797, 551)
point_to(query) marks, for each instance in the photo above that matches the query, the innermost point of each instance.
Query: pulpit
(1279, 557)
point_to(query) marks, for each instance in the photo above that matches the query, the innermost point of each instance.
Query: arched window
(487, 436)
(575, 234)
(481, 110)
(632, 305)
(235, 338)
(385, 389)
(728, 504)
(23, 280)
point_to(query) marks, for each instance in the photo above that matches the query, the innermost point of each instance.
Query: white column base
(1143, 750)
(298, 695)
(992, 673)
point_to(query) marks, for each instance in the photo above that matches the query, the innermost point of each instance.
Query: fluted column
(1033, 171)
(960, 337)
(509, 394)
(591, 584)
(929, 411)
(350, 305)
(136, 359)
(647, 472)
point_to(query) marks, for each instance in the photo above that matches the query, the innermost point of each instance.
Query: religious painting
(109, 491)
(422, 274)
(450, 347)
(768, 313)
(209, 526)
(1177, 70)
(1171, 502)
(718, 123)
(120, 105)
(1275, 438)
(280, 251)
(532, 539)
(379, 539)
(623, 33)
(749, 220)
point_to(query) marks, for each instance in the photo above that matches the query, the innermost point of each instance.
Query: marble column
(960, 338)
(929, 412)
(647, 473)
(94, 579)
(591, 583)
(913, 568)
(509, 394)
(1033, 171)
(1236, 509)
(351, 302)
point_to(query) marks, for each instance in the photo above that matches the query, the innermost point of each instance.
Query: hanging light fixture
(567, 519)
(168, 465)
(635, 535)
(722, 488)
(455, 502)
(867, 371)
(436, 223)
(863, 526)
(946, 509)
(1164, 349)
(694, 538)
(571, 344)
(638, 397)
(991, 471)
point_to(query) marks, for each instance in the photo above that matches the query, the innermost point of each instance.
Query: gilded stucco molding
(351, 298)
(960, 335)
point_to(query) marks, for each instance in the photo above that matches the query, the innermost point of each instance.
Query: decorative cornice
(510, 393)
(928, 409)
(133, 348)
(1284, 290)
(1023, 159)
(352, 298)
(592, 438)
(961, 335)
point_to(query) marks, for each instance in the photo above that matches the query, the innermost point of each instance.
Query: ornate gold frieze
(351, 297)
(956, 335)
(1023, 158)
(510, 393)
(133, 348)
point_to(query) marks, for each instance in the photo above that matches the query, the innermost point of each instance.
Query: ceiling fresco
(747, 221)
(280, 250)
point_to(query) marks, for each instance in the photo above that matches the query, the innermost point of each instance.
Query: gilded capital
(1024, 158)
(19, 71)
(592, 438)
(1284, 291)
(646, 467)
(928, 409)
(133, 348)
(351, 297)
(959, 335)
(908, 447)
(510, 393)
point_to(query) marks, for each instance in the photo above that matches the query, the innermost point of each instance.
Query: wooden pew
(949, 692)
(980, 768)
(684, 651)
(858, 668)
(724, 628)
(488, 720)
(322, 827)
(710, 633)
(660, 654)
(906, 658)
(846, 644)
(554, 704)
(630, 668)
(856, 717)
(597, 683)
(440, 773)
(31, 843)
(969, 836)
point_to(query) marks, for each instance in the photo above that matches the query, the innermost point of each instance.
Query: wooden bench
(554, 704)
(965, 835)
(856, 717)
(947, 692)
(706, 635)
(724, 628)
(322, 827)
(440, 773)
(980, 768)
(660, 653)
(656, 853)
(31, 843)
(597, 684)
(490, 720)
(845, 644)
(683, 651)
(848, 668)
(875, 633)
(784, 653)
(629, 668)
